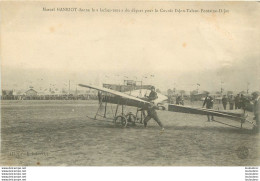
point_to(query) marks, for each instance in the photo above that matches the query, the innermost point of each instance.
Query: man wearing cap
(256, 99)
(209, 105)
(151, 110)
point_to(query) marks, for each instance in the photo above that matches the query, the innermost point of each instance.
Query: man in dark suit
(100, 97)
(153, 95)
(237, 100)
(231, 102)
(209, 105)
(224, 102)
(243, 102)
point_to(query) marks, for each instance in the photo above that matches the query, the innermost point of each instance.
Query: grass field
(58, 133)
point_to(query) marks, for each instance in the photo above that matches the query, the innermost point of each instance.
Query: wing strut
(228, 124)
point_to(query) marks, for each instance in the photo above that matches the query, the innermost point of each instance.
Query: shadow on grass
(108, 124)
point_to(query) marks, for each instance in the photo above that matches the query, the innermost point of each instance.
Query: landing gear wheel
(121, 120)
(130, 117)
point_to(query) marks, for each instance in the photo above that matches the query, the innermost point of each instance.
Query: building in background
(31, 92)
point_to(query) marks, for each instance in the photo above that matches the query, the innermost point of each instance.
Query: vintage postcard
(130, 83)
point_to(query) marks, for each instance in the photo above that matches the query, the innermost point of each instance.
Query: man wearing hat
(209, 105)
(151, 110)
(256, 99)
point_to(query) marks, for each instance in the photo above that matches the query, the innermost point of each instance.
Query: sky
(43, 49)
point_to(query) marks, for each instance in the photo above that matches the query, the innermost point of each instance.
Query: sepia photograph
(130, 83)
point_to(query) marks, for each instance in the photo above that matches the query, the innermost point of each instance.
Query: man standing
(179, 100)
(256, 99)
(100, 97)
(224, 102)
(237, 98)
(243, 102)
(231, 102)
(236, 101)
(151, 110)
(209, 105)
(153, 95)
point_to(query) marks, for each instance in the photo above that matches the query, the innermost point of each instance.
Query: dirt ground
(58, 133)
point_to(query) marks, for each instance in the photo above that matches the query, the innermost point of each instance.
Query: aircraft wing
(116, 93)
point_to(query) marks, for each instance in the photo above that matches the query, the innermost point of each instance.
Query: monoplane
(122, 117)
